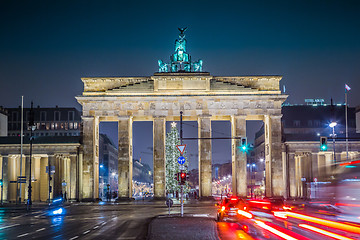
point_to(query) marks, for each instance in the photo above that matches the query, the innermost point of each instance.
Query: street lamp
(333, 135)
(32, 128)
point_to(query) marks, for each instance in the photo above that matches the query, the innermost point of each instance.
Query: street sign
(181, 148)
(181, 160)
(21, 179)
(169, 202)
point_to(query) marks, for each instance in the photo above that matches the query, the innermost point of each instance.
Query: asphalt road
(89, 221)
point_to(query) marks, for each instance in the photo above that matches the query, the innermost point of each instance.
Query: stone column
(204, 131)
(292, 176)
(23, 188)
(72, 178)
(12, 177)
(285, 159)
(321, 167)
(58, 175)
(125, 157)
(314, 166)
(44, 179)
(80, 176)
(91, 157)
(239, 170)
(67, 176)
(4, 176)
(273, 159)
(36, 176)
(159, 132)
(52, 161)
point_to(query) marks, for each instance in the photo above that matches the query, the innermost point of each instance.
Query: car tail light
(223, 208)
(286, 208)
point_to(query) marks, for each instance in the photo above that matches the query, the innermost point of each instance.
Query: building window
(43, 126)
(43, 116)
(317, 123)
(47, 126)
(296, 123)
(15, 116)
(52, 125)
(55, 134)
(57, 116)
(310, 123)
(75, 125)
(71, 115)
(62, 125)
(71, 125)
(56, 125)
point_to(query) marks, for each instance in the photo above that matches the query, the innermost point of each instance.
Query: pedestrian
(65, 197)
(61, 195)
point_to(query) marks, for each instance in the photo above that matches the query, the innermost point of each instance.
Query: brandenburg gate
(181, 85)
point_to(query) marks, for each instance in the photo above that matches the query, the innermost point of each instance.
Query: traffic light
(176, 176)
(182, 178)
(323, 144)
(243, 144)
(1, 182)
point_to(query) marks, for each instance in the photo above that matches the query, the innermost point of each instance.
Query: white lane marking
(23, 235)
(200, 215)
(41, 229)
(127, 238)
(86, 232)
(95, 227)
(9, 226)
(74, 238)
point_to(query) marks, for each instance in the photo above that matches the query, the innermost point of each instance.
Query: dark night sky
(47, 46)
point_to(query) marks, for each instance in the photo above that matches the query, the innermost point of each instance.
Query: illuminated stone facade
(202, 98)
(63, 154)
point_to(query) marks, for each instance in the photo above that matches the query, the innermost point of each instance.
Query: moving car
(229, 207)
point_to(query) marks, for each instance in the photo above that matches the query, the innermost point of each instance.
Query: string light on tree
(171, 164)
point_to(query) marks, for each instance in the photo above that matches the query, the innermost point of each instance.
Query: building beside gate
(57, 121)
(62, 154)
(303, 160)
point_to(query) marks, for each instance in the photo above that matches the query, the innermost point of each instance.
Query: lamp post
(332, 125)
(32, 128)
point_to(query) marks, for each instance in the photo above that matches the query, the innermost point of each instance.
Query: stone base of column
(159, 198)
(206, 198)
(90, 200)
(124, 199)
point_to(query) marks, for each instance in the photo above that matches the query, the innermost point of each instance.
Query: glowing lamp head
(333, 124)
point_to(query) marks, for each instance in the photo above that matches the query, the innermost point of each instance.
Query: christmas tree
(171, 164)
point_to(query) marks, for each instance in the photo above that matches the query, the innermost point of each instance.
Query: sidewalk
(187, 228)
